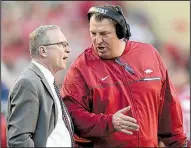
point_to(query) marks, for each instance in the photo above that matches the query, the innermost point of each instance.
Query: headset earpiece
(127, 28)
(119, 31)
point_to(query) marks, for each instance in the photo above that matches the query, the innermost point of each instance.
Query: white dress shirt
(60, 136)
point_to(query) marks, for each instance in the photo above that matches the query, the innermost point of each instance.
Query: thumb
(124, 109)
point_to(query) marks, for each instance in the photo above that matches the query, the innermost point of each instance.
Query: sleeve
(170, 129)
(78, 99)
(22, 115)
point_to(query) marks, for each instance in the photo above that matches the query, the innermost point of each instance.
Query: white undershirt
(60, 136)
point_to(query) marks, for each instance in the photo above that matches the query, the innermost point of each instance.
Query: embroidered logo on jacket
(148, 71)
(104, 78)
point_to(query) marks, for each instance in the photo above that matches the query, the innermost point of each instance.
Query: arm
(77, 97)
(170, 119)
(22, 115)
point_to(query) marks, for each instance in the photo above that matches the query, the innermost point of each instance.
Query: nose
(98, 39)
(68, 50)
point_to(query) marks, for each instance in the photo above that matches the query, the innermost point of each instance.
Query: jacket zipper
(131, 71)
(132, 99)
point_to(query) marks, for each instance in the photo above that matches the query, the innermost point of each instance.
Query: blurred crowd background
(164, 24)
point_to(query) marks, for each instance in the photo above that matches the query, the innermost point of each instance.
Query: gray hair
(39, 37)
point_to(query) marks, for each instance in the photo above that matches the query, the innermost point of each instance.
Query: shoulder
(83, 58)
(80, 65)
(27, 80)
(142, 46)
(144, 49)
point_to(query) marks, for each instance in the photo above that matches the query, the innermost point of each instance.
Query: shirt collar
(48, 75)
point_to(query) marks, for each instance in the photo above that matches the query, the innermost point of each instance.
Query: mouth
(64, 58)
(101, 49)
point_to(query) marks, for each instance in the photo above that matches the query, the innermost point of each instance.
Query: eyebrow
(105, 31)
(65, 42)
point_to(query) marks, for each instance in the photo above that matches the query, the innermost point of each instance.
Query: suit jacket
(32, 112)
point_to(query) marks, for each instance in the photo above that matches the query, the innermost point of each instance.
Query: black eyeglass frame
(64, 44)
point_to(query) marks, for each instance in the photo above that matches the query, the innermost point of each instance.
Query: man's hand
(124, 123)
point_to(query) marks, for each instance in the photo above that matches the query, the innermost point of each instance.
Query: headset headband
(109, 13)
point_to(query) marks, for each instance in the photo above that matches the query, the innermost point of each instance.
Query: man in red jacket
(118, 91)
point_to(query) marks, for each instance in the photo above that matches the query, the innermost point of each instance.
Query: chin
(104, 56)
(64, 66)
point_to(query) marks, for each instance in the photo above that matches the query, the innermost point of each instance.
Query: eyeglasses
(125, 65)
(64, 44)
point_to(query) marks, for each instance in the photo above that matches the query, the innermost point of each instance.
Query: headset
(122, 28)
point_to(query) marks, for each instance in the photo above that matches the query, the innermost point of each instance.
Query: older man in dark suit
(36, 115)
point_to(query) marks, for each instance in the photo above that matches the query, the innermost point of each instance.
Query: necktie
(64, 113)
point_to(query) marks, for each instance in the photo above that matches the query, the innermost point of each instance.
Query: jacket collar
(34, 68)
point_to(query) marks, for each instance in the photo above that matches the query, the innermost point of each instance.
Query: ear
(43, 51)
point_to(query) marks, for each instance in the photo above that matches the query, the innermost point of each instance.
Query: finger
(133, 125)
(129, 128)
(124, 110)
(126, 131)
(127, 118)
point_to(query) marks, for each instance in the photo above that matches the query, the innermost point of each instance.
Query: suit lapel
(34, 68)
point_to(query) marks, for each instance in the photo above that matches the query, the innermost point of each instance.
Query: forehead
(103, 25)
(56, 35)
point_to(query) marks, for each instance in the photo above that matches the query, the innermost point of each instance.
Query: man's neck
(122, 45)
(43, 63)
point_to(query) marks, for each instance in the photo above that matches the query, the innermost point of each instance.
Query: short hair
(39, 37)
(100, 17)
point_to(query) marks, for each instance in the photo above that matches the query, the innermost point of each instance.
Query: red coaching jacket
(94, 89)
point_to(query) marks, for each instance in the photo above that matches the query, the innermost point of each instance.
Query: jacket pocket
(146, 79)
(145, 94)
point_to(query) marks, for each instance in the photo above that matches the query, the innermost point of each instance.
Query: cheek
(61, 60)
(61, 55)
(112, 44)
(52, 58)
(57, 58)
(108, 43)
(93, 40)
